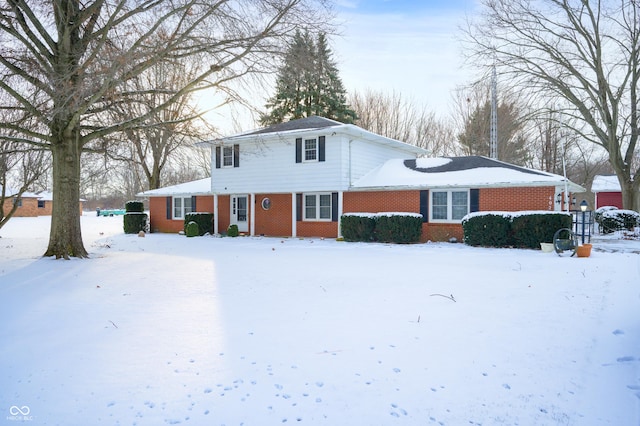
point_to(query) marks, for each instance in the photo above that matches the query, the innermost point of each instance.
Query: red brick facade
(277, 220)
(158, 213)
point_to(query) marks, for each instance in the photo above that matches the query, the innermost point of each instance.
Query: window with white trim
(181, 206)
(449, 206)
(311, 149)
(317, 207)
(227, 156)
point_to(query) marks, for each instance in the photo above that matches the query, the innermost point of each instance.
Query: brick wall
(381, 201)
(158, 213)
(276, 221)
(317, 229)
(29, 207)
(516, 199)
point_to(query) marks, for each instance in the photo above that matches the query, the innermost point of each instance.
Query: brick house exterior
(299, 178)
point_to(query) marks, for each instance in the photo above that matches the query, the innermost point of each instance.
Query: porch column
(252, 214)
(215, 214)
(294, 213)
(340, 209)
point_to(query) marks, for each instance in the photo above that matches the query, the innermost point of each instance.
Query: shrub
(519, 229)
(616, 220)
(358, 227)
(134, 206)
(490, 229)
(529, 229)
(204, 221)
(232, 231)
(398, 227)
(192, 229)
(134, 222)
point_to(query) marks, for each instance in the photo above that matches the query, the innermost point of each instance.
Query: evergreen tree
(308, 84)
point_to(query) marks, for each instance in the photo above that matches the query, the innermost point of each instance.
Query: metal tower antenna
(493, 129)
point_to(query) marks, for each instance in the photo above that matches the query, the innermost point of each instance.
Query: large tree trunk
(65, 239)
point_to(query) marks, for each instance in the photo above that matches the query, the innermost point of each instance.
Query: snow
(196, 187)
(261, 331)
(605, 183)
(394, 173)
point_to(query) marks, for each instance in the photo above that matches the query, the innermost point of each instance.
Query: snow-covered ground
(263, 331)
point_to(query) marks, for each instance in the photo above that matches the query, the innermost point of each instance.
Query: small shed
(607, 191)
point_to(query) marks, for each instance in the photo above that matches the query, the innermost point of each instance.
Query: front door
(239, 213)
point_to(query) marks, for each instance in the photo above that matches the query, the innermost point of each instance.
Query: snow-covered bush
(192, 229)
(388, 227)
(232, 231)
(134, 206)
(358, 227)
(400, 228)
(525, 229)
(617, 219)
(203, 219)
(134, 222)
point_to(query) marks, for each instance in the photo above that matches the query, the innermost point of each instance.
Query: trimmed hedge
(134, 222)
(192, 229)
(490, 229)
(203, 220)
(513, 229)
(232, 231)
(358, 227)
(399, 227)
(134, 206)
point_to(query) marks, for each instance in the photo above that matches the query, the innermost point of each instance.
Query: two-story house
(298, 178)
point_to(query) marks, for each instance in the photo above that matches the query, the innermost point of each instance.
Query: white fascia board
(572, 186)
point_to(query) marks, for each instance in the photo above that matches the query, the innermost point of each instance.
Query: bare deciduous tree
(396, 117)
(583, 55)
(68, 62)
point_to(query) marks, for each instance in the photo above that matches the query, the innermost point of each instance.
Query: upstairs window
(227, 156)
(310, 150)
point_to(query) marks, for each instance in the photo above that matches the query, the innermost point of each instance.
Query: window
(17, 201)
(41, 204)
(317, 207)
(227, 156)
(310, 150)
(181, 206)
(449, 206)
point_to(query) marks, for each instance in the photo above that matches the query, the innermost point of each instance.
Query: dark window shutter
(474, 200)
(236, 155)
(169, 205)
(321, 149)
(334, 206)
(298, 207)
(424, 205)
(193, 203)
(298, 150)
(218, 153)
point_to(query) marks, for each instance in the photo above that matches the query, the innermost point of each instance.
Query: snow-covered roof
(444, 172)
(605, 183)
(196, 187)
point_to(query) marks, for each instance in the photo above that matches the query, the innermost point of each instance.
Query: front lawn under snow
(263, 331)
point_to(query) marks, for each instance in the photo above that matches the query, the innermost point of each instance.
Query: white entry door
(239, 212)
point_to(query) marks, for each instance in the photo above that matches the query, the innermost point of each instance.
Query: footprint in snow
(627, 358)
(506, 386)
(618, 332)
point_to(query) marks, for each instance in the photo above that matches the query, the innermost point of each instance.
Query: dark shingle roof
(313, 122)
(471, 162)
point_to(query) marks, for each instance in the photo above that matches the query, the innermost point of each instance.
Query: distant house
(32, 204)
(298, 178)
(607, 191)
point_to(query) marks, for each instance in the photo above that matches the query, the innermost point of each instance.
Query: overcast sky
(410, 46)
